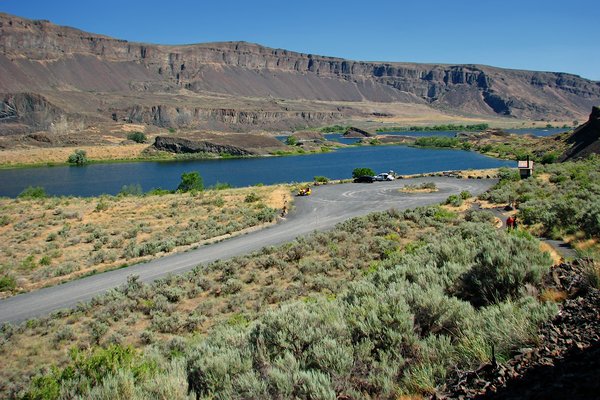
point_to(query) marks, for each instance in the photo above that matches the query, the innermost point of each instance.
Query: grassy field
(52, 240)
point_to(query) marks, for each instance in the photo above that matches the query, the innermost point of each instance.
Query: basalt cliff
(49, 72)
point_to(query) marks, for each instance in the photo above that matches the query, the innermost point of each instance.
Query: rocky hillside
(165, 85)
(585, 140)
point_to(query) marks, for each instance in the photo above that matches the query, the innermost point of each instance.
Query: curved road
(327, 206)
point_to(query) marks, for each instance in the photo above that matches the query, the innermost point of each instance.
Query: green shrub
(549, 157)
(291, 140)
(190, 181)
(454, 200)
(159, 192)
(138, 137)
(79, 157)
(221, 186)
(7, 282)
(362, 172)
(251, 198)
(321, 179)
(33, 192)
(437, 141)
(334, 129)
(90, 369)
(501, 269)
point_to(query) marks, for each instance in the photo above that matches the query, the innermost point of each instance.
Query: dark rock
(181, 145)
(353, 132)
(566, 364)
(585, 140)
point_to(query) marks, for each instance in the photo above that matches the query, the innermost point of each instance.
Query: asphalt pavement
(327, 206)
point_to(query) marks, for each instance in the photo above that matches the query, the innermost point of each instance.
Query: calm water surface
(99, 179)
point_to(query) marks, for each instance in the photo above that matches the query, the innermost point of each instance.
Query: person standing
(510, 221)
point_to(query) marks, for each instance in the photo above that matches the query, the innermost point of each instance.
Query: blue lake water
(339, 137)
(539, 132)
(96, 179)
(532, 131)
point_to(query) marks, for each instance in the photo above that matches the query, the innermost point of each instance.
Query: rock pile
(565, 364)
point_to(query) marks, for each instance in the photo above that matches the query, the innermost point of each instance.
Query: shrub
(321, 179)
(79, 157)
(137, 137)
(131, 190)
(465, 194)
(251, 197)
(33, 192)
(102, 205)
(89, 369)
(501, 269)
(221, 186)
(437, 141)
(454, 200)
(190, 181)
(549, 158)
(7, 282)
(291, 140)
(362, 172)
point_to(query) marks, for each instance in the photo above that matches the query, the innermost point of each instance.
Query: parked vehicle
(364, 179)
(304, 191)
(384, 177)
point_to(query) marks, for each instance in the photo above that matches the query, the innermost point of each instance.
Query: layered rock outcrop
(353, 132)
(182, 145)
(585, 140)
(38, 56)
(190, 117)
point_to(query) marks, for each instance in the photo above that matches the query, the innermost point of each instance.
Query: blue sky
(546, 35)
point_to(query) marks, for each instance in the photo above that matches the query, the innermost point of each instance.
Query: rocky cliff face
(40, 56)
(585, 140)
(185, 117)
(182, 145)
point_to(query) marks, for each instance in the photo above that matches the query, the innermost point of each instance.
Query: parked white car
(384, 177)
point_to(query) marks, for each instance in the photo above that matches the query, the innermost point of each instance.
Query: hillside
(585, 140)
(49, 72)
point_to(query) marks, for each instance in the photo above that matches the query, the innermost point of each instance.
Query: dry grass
(556, 257)
(15, 157)
(44, 242)
(553, 295)
(409, 189)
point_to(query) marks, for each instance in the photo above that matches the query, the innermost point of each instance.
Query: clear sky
(550, 35)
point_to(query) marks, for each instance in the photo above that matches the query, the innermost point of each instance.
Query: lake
(96, 179)
(339, 137)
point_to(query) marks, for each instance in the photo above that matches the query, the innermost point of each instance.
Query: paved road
(327, 206)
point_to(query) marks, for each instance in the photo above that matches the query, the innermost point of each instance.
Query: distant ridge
(67, 65)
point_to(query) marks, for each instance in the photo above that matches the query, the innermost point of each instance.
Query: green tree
(362, 172)
(291, 140)
(137, 137)
(79, 157)
(33, 192)
(190, 181)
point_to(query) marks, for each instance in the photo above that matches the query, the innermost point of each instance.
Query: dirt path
(561, 249)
